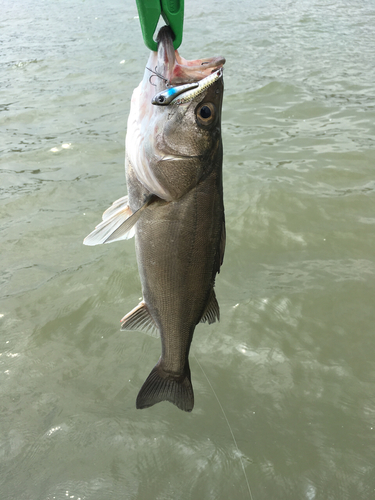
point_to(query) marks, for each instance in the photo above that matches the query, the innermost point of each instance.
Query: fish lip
(185, 72)
(216, 62)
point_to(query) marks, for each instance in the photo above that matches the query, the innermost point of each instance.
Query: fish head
(188, 141)
(171, 148)
(192, 128)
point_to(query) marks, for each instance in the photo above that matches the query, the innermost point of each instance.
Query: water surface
(291, 360)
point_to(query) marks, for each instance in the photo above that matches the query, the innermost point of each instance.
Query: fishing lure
(190, 90)
(167, 96)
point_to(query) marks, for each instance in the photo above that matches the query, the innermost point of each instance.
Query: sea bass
(175, 209)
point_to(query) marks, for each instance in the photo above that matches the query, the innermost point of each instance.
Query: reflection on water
(291, 360)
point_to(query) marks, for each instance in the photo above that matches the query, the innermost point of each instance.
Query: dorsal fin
(212, 310)
(222, 243)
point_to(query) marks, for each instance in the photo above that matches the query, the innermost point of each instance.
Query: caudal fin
(162, 386)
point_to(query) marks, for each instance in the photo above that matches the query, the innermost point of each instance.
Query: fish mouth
(178, 70)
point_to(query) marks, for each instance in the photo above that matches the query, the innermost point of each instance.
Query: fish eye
(206, 113)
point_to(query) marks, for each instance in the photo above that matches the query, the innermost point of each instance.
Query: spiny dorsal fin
(212, 311)
(222, 243)
(219, 257)
(140, 319)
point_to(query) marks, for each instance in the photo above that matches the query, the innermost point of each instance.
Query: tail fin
(162, 386)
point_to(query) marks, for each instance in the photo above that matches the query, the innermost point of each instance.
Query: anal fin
(140, 319)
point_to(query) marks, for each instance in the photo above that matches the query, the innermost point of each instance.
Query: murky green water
(292, 360)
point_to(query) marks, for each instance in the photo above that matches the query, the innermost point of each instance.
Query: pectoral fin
(116, 207)
(140, 319)
(118, 223)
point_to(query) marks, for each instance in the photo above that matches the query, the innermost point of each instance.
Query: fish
(175, 210)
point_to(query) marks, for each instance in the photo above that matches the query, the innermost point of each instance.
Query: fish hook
(156, 73)
(152, 76)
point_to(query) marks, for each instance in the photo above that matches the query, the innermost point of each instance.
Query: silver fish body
(180, 247)
(175, 201)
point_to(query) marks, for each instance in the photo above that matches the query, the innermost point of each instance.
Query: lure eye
(206, 113)
(161, 99)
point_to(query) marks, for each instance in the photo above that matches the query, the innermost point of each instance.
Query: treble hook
(156, 73)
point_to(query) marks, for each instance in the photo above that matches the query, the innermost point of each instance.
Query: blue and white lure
(167, 96)
(190, 90)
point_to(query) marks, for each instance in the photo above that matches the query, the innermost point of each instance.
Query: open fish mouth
(180, 80)
(187, 92)
(177, 70)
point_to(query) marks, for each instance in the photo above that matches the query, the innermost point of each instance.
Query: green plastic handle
(150, 11)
